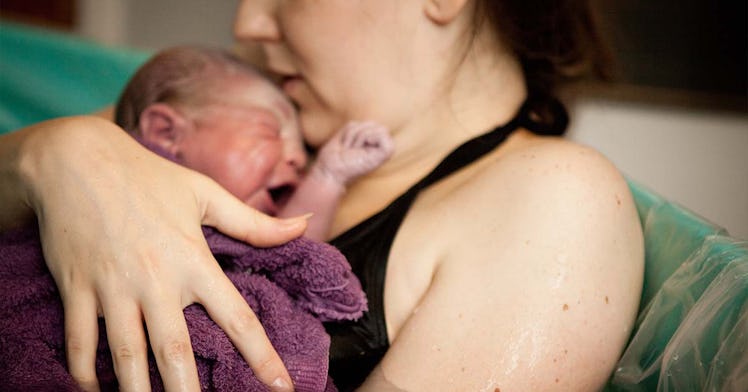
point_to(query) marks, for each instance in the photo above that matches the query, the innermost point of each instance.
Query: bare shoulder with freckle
(534, 182)
(544, 235)
(542, 163)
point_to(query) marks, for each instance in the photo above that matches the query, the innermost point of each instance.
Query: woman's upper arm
(539, 293)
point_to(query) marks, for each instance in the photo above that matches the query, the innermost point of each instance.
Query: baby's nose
(297, 158)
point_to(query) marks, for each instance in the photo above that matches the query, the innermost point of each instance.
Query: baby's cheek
(255, 171)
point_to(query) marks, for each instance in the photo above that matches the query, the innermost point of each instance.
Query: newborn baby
(209, 111)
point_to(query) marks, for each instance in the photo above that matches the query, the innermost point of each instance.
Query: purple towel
(292, 289)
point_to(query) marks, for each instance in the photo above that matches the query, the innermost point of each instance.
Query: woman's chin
(317, 128)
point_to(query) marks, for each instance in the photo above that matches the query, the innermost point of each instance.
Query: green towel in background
(46, 74)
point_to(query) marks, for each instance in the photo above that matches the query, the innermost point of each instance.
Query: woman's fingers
(232, 313)
(170, 342)
(234, 218)
(81, 338)
(149, 255)
(124, 329)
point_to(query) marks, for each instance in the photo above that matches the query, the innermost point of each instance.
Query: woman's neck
(485, 91)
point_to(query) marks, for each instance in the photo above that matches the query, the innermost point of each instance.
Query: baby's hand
(356, 149)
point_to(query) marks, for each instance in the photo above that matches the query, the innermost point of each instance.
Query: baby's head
(209, 111)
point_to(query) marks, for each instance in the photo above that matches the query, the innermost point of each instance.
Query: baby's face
(249, 143)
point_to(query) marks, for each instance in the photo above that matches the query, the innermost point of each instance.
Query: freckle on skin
(556, 381)
(497, 390)
(566, 307)
(606, 299)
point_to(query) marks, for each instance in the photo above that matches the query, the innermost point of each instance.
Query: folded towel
(291, 288)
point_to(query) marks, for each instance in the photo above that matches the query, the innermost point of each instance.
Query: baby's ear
(161, 127)
(443, 12)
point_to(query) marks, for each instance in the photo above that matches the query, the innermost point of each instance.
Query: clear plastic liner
(692, 330)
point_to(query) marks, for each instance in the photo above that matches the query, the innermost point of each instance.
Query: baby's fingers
(232, 313)
(378, 136)
(371, 135)
(81, 338)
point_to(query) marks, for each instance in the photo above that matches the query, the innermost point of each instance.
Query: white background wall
(153, 24)
(697, 158)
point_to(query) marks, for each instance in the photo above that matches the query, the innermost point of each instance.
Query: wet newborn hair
(184, 77)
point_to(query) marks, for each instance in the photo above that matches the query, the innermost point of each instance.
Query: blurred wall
(695, 157)
(154, 24)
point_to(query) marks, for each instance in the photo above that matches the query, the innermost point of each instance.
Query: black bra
(358, 346)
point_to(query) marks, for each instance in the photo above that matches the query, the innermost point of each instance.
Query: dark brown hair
(556, 41)
(180, 76)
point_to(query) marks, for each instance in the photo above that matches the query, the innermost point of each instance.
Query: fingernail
(281, 385)
(293, 224)
(296, 219)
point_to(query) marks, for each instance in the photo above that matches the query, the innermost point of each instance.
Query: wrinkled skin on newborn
(241, 149)
(252, 146)
(357, 149)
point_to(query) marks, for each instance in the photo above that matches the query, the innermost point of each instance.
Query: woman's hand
(121, 235)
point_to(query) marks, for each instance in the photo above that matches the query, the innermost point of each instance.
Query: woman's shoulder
(543, 185)
(547, 168)
(537, 247)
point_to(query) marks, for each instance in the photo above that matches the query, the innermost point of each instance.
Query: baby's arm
(356, 149)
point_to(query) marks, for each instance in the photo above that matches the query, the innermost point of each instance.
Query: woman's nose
(255, 21)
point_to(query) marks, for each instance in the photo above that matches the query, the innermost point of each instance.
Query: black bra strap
(546, 117)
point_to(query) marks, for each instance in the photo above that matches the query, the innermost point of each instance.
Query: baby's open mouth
(281, 194)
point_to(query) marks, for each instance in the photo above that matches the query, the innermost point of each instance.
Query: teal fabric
(692, 329)
(46, 74)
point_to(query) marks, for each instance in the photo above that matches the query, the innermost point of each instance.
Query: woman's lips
(290, 84)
